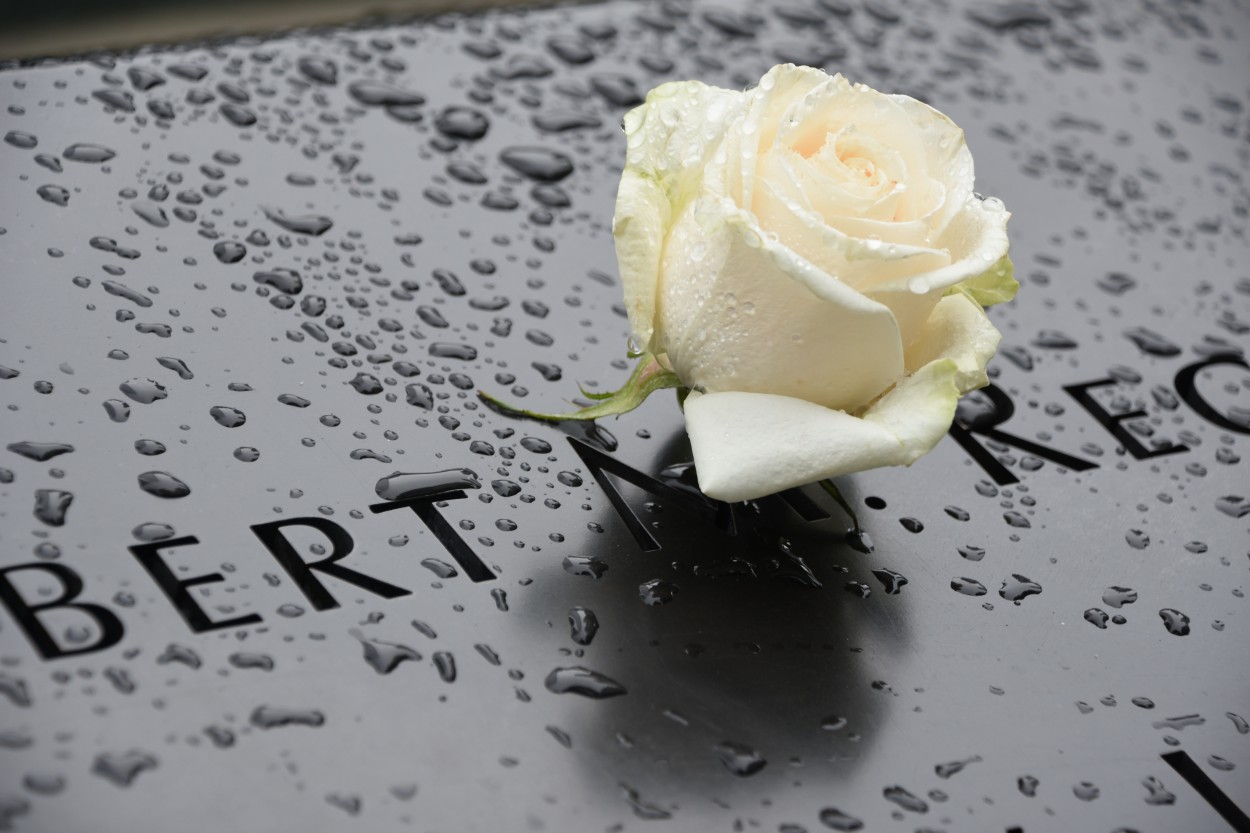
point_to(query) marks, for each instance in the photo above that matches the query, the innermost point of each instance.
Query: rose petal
(948, 159)
(995, 285)
(882, 118)
(747, 445)
(975, 241)
(668, 140)
(641, 221)
(858, 262)
(958, 330)
(768, 106)
(739, 311)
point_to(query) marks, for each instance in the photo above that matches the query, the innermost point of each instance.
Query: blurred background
(31, 29)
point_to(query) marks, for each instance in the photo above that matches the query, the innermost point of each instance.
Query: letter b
(27, 614)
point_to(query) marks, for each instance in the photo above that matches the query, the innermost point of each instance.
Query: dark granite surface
(276, 272)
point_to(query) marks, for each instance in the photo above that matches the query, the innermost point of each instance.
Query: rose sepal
(648, 377)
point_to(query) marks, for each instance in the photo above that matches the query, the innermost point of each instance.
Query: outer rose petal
(739, 312)
(995, 285)
(669, 139)
(958, 330)
(639, 226)
(747, 445)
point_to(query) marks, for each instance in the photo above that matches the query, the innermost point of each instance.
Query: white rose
(810, 259)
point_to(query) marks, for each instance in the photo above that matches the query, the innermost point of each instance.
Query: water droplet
(1097, 617)
(246, 660)
(274, 717)
(583, 625)
(1179, 723)
(835, 819)
(1177, 623)
(657, 591)
(180, 654)
(1119, 596)
(560, 121)
(538, 163)
(163, 484)
(641, 808)
(283, 280)
(238, 114)
(446, 665)
(409, 485)
(1151, 343)
(739, 759)
(40, 452)
(226, 416)
(313, 225)
(149, 448)
(20, 139)
(228, 251)
(584, 565)
(121, 768)
(51, 505)
(462, 123)
(1234, 506)
(94, 154)
(117, 410)
(891, 581)
(900, 796)
(1018, 587)
(43, 783)
(444, 350)
(378, 94)
(54, 194)
(319, 69)
(1157, 794)
(1015, 519)
(152, 531)
(501, 599)
(439, 568)
(1054, 340)
(583, 681)
(951, 768)
(1086, 791)
(144, 390)
(968, 586)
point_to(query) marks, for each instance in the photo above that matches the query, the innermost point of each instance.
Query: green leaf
(596, 395)
(648, 377)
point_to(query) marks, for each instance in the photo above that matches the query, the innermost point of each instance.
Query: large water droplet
(583, 681)
(408, 485)
(40, 452)
(538, 163)
(88, 153)
(163, 484)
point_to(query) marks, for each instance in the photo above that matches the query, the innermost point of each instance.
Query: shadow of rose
(746, 662)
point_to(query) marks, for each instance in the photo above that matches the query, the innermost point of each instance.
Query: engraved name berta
(425, 493)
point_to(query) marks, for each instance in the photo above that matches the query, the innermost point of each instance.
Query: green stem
(648, 377)
(832, 491)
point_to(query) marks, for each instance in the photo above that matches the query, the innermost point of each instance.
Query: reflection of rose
(809, 258)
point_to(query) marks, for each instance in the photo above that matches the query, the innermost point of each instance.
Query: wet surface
(268, 559)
